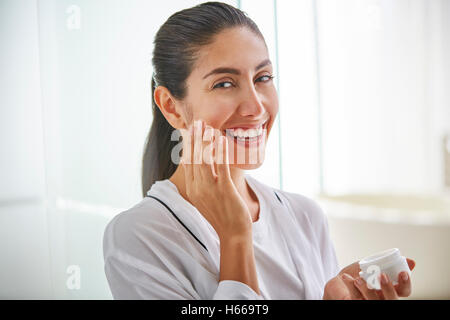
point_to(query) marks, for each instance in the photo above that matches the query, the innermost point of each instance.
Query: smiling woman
(205, 229)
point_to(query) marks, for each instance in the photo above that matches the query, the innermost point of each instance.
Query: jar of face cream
(389, 261)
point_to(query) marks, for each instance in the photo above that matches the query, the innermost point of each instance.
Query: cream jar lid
(381, 259)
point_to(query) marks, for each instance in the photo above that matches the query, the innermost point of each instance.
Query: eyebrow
(236, 71)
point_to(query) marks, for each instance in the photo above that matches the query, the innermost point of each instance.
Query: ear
(169, 106)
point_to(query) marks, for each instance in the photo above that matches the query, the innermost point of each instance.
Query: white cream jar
(389, 261)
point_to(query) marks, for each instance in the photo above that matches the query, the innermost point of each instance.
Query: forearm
(237, 261)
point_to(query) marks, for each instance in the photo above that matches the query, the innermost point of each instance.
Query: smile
(248, 134)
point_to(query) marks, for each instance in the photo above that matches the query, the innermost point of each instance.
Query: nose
(251, 104)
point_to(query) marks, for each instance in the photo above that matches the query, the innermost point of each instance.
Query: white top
(150, 254)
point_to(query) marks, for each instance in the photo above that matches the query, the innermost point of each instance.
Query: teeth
(246, 133)
(243, 134)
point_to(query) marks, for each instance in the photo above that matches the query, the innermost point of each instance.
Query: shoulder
(137, 228)
(305, 208)
(302, 202)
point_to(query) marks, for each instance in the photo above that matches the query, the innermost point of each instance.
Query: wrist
(236, 239)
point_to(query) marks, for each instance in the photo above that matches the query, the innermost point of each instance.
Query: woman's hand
(209, 186)
(348, 285)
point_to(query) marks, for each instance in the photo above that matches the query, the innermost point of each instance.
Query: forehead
(236, 47)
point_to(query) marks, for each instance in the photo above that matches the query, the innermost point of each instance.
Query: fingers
(387, 288)
(198, 143)
(352, 269)
(368, 294)
(198, 149)
(348, 280)
(203, 152)
(403, 288)
(209, 161)
(411, 263)
(208, 158)
(192, 151)
(222, 161)
(188, 147)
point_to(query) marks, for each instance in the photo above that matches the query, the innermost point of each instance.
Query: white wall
(384, 79)
(24, 251)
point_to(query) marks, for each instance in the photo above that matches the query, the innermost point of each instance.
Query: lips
(263, 125)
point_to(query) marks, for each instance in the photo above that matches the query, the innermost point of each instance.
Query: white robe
(151, 253)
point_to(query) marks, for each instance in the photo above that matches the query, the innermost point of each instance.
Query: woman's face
(241, 95)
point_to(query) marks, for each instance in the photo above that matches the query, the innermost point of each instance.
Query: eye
(228, 84)
(269, 78)
(219, 85)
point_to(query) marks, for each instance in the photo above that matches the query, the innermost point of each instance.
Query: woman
(206, 230)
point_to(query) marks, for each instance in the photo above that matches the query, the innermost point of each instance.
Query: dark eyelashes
(264, 76)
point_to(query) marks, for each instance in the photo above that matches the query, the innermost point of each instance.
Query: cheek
(273, 101)
(272, 107)
(216, 111)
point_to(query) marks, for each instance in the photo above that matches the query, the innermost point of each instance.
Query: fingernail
(405, 276)
(384, 279)
(346, 276)
(359, 282)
